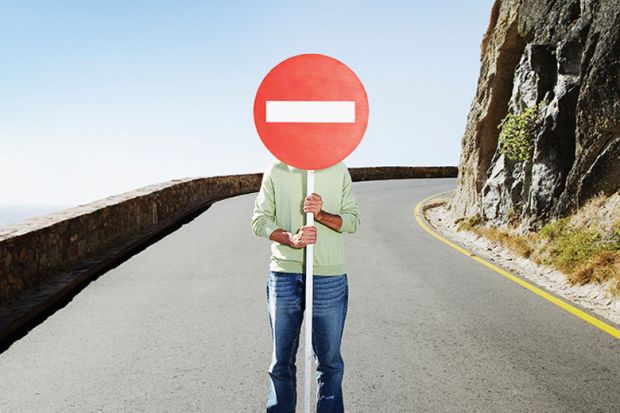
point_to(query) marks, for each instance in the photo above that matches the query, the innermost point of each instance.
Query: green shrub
(554, 229)
(576, 247)
(517, 131)
(513, 216)
(468, 223)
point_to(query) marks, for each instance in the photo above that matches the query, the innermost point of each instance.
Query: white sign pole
(308, 310)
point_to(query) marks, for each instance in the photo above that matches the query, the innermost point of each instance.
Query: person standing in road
(279, 215)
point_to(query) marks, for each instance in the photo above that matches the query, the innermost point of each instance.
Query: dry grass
(585, 245)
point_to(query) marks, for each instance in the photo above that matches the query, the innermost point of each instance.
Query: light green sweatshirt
(279, 204)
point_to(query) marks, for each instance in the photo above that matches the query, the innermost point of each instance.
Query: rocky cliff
(566, 54)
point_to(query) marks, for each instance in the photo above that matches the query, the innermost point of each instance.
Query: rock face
(567, 54)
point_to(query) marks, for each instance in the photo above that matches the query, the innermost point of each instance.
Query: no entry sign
(311, 111)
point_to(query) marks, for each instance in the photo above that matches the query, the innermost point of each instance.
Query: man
(279, 215)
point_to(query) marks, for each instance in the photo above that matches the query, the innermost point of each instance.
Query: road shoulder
(593, 298)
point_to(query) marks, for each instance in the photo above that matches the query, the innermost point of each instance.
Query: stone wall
(402, 172)
(37, 249)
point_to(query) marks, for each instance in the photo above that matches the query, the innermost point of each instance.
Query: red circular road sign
(311, 111)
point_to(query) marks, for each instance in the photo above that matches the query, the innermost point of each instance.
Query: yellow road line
(565, 306)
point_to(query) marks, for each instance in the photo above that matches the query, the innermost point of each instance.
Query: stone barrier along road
(44, 258)
(35, 249)
(39, 248)
(402, 172)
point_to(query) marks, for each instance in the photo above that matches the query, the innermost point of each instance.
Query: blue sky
(102, 97)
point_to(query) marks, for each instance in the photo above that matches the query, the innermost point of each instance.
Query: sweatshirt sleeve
(263, 217)
(349, 211)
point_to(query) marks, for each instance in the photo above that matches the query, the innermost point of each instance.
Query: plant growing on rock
(513, 216)
(517, 132)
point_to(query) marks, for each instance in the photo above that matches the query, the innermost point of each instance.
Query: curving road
(183, 327)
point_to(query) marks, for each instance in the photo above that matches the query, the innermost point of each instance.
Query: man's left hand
(313, 203)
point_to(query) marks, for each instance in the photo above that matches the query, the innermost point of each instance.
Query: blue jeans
(286, 302)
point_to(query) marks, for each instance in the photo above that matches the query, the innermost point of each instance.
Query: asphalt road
(183, 327)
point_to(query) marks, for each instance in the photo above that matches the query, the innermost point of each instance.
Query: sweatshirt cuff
(269, 228)
(348, 223)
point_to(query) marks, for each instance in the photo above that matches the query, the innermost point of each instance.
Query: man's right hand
(305, 236)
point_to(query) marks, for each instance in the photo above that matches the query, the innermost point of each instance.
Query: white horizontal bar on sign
(309, 111)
